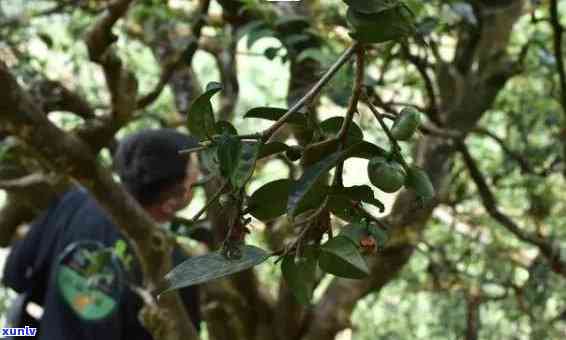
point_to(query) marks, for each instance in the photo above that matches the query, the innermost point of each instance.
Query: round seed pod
(384, 175)
(418, 180)
(405, 126)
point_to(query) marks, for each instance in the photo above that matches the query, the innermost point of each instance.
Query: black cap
(148, 162)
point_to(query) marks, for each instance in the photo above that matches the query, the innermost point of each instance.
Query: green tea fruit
(385, 175)
(405, 126)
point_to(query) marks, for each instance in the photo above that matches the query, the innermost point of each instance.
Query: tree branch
(558, 31)
(312, 92)
(184, 58)
(522, 161)
(54, 96)
(69, 155)
(488, 199)
(490, 203)
(421, 67)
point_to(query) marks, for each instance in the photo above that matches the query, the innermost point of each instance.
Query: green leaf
(300, 274)
(272, 148)
(223, 127)
(313, 173)
(340, 256)
(303, 185)
(291, 24)
(246, 163)
(342, 207)
(362, 193)
(418, 180)
(256, 34)
(254, 25)
(270, 200)
(200, 117)
(311, 53)
(389, 24)
(211, 266)
(365, 150)
(209, 159)
(317, 151)
(271, 52)
(314, 198)
(295, 39)
(228, 148)
(274, 113)
(371, 6)
(331, 126)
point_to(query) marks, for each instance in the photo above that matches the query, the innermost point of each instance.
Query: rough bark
(69, 155)
(464, 98)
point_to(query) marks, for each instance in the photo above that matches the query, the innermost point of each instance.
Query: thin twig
(394, 145)
(303, 232)
(209, 203)
(356, 93)
(184, 58)
(195, 149)
(312, 92)
(352, 108)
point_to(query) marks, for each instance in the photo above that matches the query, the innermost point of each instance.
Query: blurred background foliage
(463, 253)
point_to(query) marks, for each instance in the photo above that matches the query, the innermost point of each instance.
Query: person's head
(156, 175)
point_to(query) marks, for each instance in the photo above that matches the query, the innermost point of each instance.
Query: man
(67, 260)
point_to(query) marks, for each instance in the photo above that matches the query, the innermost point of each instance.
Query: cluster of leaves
(377, 21)
(329, 144)
(231, 156)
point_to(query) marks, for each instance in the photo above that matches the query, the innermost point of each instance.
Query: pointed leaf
(200, 121)
(317, 151)
(340, 256)
(270, 200)
(274, 113)
(390, 24)
(228, 148)
(342, 207)
(303, 185)
(225, 128)
(271, 52)
(371, 6)
(313, 173)
(272, 148)
(331, 126)
(251, 26)
(362, 193)
(300, 274)
(209, 159)
(364, 150)
(246, 163)
(255, 34)
(211, 266)
(291, 24)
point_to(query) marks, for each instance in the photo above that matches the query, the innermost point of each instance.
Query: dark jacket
(76, 216)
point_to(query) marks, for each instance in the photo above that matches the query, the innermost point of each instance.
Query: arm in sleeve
(22, 258)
